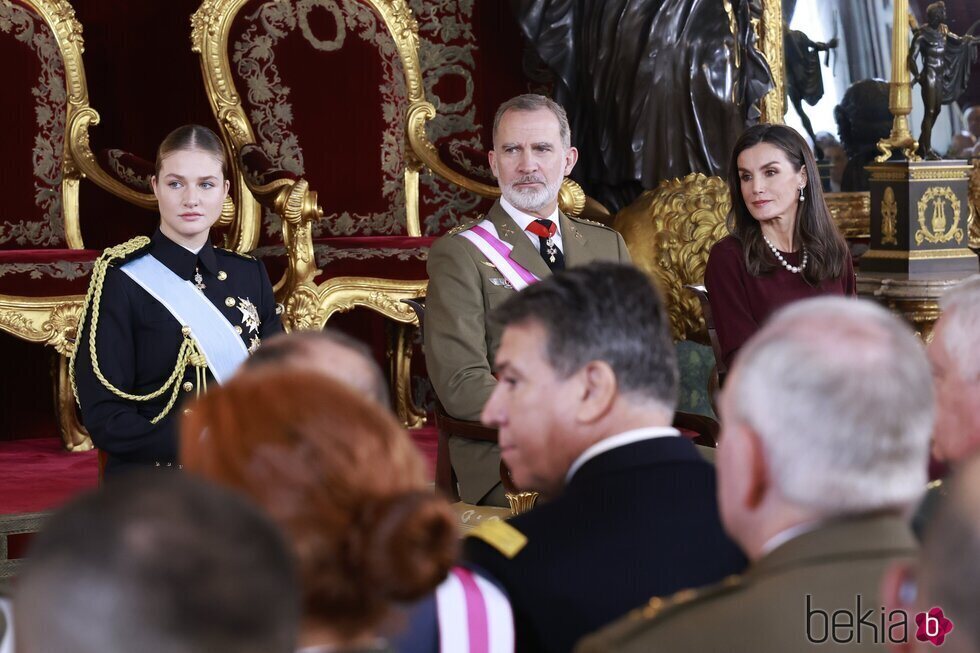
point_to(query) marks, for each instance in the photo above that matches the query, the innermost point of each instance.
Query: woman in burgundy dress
(783, 245)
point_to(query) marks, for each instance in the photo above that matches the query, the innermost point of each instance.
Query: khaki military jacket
(464, 287)
(783, 603)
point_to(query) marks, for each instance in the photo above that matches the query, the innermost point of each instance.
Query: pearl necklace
(792, 268)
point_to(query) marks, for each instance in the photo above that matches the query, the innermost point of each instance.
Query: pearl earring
(801, 194)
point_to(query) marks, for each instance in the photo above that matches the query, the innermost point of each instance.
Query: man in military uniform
(826, 421)
(584, 405)
(527, 238)
(944, 582)
(954, 353)
(137, 341)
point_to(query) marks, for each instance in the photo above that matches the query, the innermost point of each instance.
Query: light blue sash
(214, 335)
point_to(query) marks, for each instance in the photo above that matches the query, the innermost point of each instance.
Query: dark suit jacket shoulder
(636, 521)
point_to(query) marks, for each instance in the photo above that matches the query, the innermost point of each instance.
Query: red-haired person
(346, 485)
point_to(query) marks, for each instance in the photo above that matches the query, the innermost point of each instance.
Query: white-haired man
(523, 238)
(826, 423)
(940, 591)
(954, 354)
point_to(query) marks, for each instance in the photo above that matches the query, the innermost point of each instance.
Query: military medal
(253, 344)
(198, 279)
(550, 248)
(250, 314)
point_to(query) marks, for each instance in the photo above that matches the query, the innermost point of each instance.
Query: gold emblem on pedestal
(889, 213)
(940, 228)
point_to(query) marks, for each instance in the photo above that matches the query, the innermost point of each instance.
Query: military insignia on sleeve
(250, 314)
(500, 535)
(254, 344)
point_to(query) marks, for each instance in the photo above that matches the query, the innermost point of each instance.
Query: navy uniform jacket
(636, 521)
(137, 342)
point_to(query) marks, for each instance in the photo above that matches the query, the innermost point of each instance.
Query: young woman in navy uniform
(166, 315)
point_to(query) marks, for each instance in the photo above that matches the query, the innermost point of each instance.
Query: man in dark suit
(531, 154)
(826, 420)
(586, 393)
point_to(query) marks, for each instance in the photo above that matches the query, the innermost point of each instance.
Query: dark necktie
(545, 230)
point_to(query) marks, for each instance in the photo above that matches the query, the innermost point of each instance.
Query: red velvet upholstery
(32, 138)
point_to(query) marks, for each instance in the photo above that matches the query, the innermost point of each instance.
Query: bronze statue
(654, 89)
(945, 71)
(803, 78)
(862, 119)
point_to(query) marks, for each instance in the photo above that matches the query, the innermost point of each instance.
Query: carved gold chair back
(670, 231)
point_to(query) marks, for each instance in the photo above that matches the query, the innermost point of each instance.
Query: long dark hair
(815, 230)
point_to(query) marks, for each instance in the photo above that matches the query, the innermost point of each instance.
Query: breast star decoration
(250, 314)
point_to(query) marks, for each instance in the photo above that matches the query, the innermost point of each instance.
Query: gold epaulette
(503, 537)
(247, 257)
(660, 606)
(123, 251)
(590, 222)
(464, 226)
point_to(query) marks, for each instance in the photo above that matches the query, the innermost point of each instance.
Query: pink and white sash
(474, 615)
(484, 236)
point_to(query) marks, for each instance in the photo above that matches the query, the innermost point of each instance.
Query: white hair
(961, 327)
(840, 393)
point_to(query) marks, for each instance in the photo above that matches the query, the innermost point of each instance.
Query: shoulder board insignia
(125, 251)
(658, 606)
(590, 222)
(464, 226)
(247, 257)
(500, 535)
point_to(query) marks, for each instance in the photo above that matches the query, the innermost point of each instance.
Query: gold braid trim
(189, 353)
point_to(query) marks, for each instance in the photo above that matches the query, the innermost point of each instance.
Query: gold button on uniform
(222, 275)
(238, 329)
(229, 301)
(188, 386)
(186, 330)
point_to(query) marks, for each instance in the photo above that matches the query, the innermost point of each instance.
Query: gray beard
(531, 200)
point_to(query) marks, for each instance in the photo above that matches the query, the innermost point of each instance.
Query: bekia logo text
(863, 624)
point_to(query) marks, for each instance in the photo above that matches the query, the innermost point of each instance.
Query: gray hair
(949, 567)
(534, 102)
(961, 317)
(840, 393)
(286, 348)
(603, 311)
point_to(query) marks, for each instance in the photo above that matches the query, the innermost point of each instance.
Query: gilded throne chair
(316, 101)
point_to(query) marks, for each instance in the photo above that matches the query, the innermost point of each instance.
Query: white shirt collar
(619, 440)
(784, 536)
(524, 219)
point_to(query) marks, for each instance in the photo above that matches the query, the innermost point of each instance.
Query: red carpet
(38, 474)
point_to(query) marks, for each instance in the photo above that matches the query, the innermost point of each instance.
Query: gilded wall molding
(769, 36)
